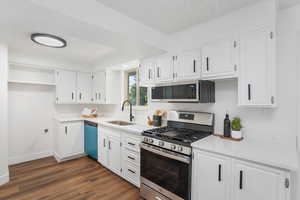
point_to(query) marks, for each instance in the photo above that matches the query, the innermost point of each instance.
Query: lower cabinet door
(210, 177)
(258, 182)
(70, 139)
(114, 155)
(102, 148)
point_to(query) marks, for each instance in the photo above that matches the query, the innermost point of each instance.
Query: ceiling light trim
(63, 42)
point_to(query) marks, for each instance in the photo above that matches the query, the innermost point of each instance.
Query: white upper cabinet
(258, 182)
(146, 73)
(164, 69)
(99, 84)
(220, 60)
(187, 66)
(84, 87)
(258, 69)
(66, 83)
(211, 177)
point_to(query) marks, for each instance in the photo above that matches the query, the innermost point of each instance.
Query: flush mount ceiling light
(48, 40)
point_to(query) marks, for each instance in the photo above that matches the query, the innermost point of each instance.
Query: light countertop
(268, 153)
(103, 121)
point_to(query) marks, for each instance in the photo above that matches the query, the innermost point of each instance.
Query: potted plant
(236, 127)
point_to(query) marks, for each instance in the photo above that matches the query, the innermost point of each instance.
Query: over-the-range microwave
(192, 92)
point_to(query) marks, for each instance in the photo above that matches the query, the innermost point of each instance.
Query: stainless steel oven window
(171, 171)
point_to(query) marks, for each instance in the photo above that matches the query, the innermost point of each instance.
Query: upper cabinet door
(258, 182)
(187, 66)
(164, 69)
(65, 87)
(220, 60)
(211, 177)
(146, 73)
(258, 69)
(84, 87)
(99, 84)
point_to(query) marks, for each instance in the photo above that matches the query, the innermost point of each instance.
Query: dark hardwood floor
(80, 179)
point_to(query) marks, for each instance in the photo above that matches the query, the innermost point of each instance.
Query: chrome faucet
(131, 117)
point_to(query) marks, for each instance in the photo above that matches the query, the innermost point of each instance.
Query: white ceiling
(169, 16)
(105, 32)
(88, 43)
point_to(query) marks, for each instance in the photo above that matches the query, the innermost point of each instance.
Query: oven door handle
(178, 157)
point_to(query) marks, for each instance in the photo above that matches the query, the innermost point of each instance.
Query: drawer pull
(132, 144)
(131, 158)
(219, 177)
(157, 198)
(241, 180)
(131, 171)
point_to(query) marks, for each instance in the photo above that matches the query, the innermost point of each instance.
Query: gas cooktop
(180, 136)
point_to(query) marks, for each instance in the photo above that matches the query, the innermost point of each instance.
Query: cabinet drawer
(132, 173)
(132, 144)
(132, 156)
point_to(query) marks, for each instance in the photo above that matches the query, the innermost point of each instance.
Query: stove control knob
(161, 144)
(180, 149)
(173, 147)
(151, 140)
(145, 139)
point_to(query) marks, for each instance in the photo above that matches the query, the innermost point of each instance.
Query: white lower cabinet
(119, 152)
(114, 162)
(69, 140)
(217, 177)
(109, 150)
(251, 181)
(210, 178)
(102, 147)
(131, 158)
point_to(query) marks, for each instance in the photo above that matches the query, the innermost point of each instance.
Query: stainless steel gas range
(166, 163)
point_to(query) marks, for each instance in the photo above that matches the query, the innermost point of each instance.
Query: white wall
(4, 174)
(31, 109)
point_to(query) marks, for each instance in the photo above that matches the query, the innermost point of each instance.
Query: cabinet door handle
(131, 171)
(207, 63)
(249, 92)
(72, 95)
(220, 175)
(96, 97)
(66, 130)
(80, 95)
(99, 95)
(149, 74)
(131, 144)
(104, 145)
(131, 158)
(241, 180)
(109, 145)
(158, 72)
(194, 66)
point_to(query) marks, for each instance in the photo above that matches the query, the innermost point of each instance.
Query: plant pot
(236, 134)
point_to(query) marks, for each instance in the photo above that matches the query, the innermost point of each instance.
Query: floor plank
(80, 179)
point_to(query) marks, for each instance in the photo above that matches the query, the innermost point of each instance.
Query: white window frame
(138, 106)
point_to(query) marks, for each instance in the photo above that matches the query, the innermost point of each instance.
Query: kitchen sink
(120, 123)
